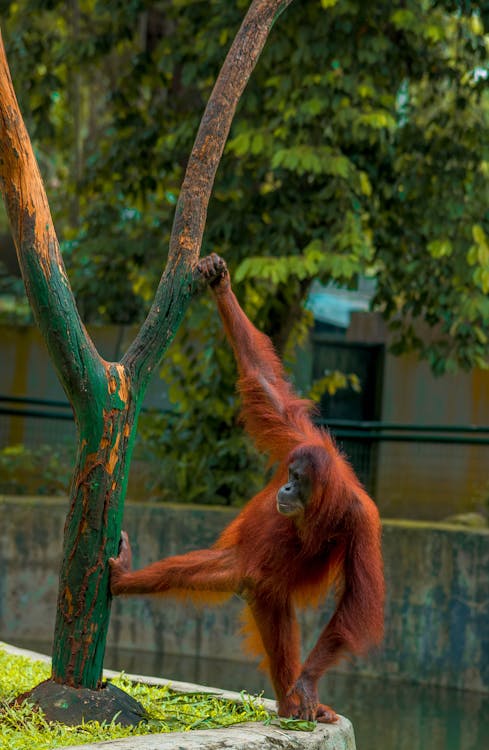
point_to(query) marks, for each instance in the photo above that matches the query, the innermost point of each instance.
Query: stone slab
(248, 736)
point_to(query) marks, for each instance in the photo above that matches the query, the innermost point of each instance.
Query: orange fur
(276, 561)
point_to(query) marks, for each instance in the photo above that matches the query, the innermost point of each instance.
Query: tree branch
(191, 209)
(175, 288)
(46, 282)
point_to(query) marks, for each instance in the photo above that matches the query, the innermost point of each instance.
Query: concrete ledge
(249, 736)
(241, 737)
(436, 614)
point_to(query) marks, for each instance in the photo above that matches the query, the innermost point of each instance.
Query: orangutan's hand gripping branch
(311, 527)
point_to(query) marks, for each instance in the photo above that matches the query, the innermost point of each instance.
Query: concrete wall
(437, 611)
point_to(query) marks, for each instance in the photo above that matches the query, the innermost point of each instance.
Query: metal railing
(408, 433)
(428, 465)
(18, 406)
(392, 460)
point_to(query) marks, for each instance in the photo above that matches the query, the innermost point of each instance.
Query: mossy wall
(437, 612)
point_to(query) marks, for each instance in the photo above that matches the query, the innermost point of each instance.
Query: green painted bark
(106, 397)
(92, 531)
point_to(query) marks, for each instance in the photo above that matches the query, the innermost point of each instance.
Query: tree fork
(106, 397)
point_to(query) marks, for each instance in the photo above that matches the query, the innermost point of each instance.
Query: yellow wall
(426, 480)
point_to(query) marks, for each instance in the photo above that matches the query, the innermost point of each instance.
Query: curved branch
(175, 287)
(43, 271)
(191, 209)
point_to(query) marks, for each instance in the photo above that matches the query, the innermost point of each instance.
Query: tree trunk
(92, 530)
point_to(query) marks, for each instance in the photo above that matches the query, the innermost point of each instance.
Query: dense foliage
(360, 147)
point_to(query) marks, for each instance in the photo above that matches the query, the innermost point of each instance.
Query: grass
(169, 711)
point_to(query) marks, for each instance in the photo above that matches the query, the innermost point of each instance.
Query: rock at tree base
(72, 706)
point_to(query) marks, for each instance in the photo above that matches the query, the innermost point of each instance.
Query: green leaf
(241, 144)
(478, 234)
(440, 248)
(403, 18)
(257, 143)
(365, 185)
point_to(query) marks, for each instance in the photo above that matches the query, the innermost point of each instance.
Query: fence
(33, 421)
(412, 470)
(416, 470)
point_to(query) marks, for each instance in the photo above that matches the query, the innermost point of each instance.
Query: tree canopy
(360, 147)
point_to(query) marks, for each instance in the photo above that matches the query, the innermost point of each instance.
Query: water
(386, 715)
